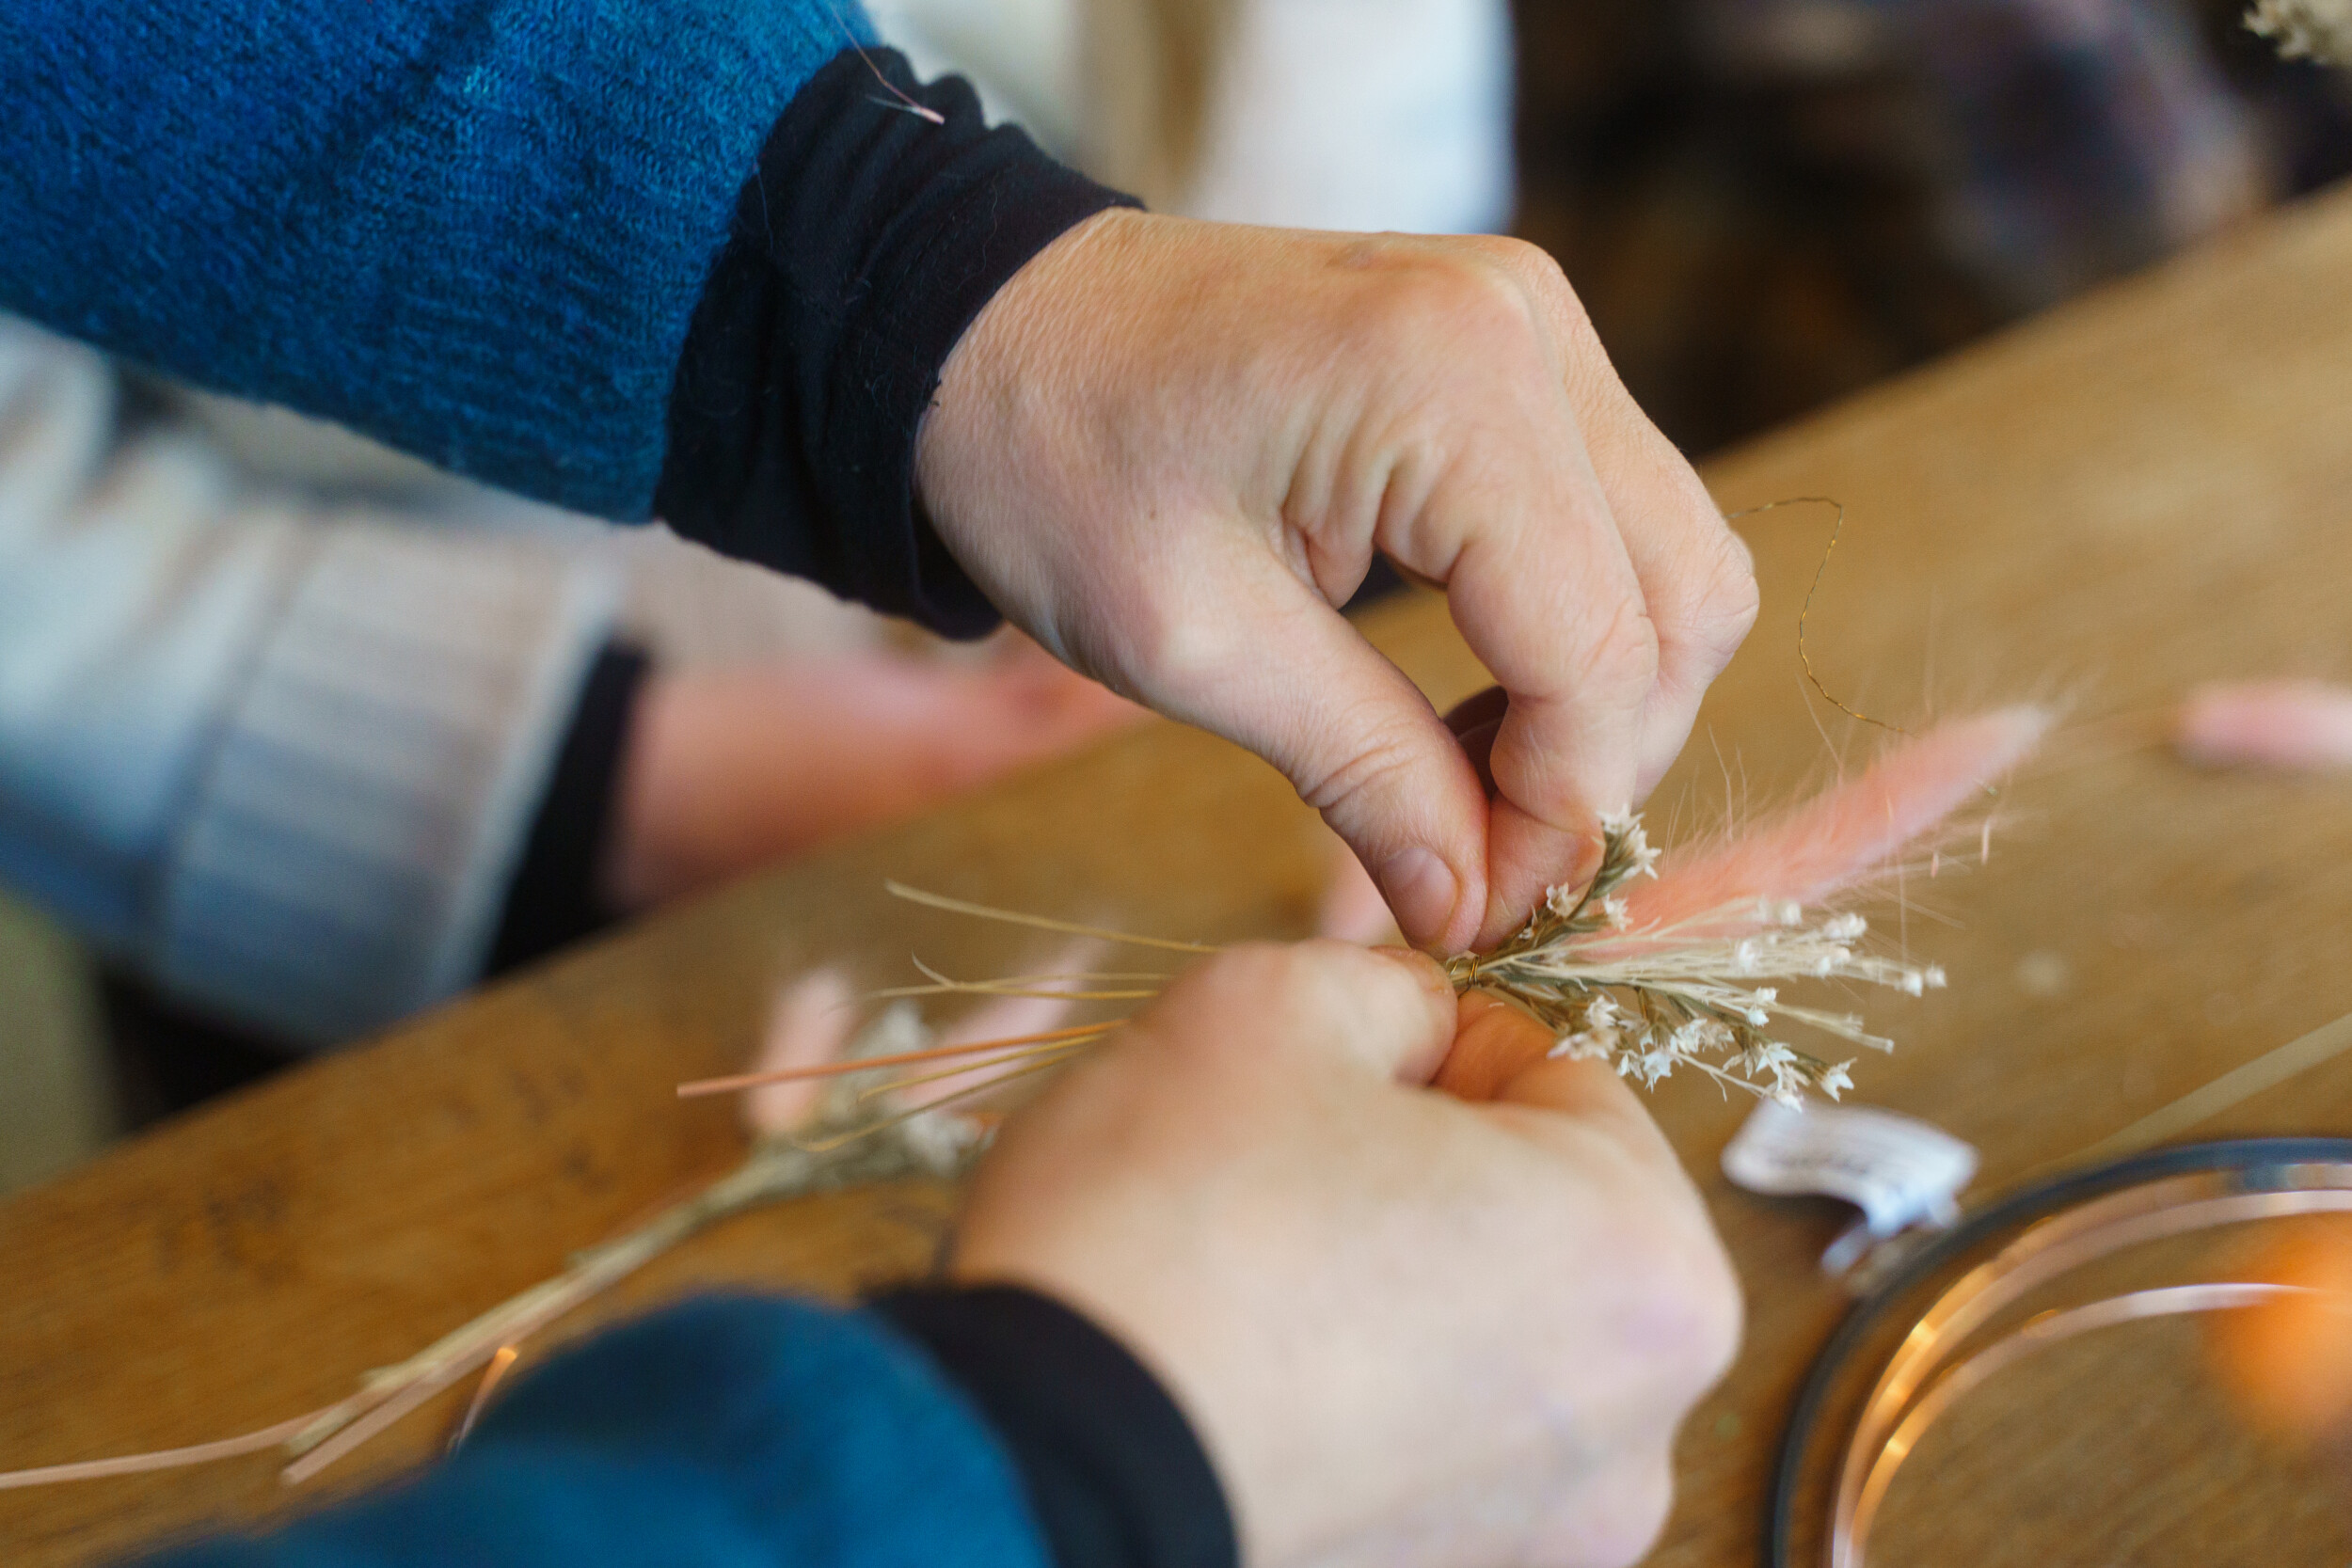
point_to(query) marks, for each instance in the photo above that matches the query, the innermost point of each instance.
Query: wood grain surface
(2148, 489)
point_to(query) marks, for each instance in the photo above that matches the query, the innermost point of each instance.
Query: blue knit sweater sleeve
(724, 1433)
(476, 229)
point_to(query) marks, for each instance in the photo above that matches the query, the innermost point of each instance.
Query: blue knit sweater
(727, 1433)
(479, 230)
(476, 229)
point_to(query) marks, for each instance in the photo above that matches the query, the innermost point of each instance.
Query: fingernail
(1428, 971)
(1422, 891)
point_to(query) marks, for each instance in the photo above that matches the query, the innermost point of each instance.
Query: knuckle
(1256, 969)
(1358, 983)
(1530, 265)
(1723, 599)
(1551, 296)
(1692, 1309)
(1628, 1514)
(1217, 1011)
(1719, 1317)
(1243, 1011)
(1458, 304)
(1531, 260)
(1156, 641)
(1374, 769)
(1677, 1314)
(1624, 649)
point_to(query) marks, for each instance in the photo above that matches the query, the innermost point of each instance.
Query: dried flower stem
(1652, 976)
(1651, 1000)
(925, 1140)
(1687, 971)
(1037, 922)
(701, 1086)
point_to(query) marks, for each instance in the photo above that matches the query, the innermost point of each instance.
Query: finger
(1553, 607)
(972, 726)
(1353, 910)
(1313, 1005)
(1493, 1043)
(1698, 579)
(1519, 528)
(1500, 1056)
(1589, 1091)
(808, 1025)
(1282, 673)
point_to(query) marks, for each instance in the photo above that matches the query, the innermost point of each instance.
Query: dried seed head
(1652, 1001)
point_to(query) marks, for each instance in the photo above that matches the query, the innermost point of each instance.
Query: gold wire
(1803, 615)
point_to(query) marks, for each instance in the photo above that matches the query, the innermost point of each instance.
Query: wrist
(861, 251)
(1115, 1473)
(1003, 350)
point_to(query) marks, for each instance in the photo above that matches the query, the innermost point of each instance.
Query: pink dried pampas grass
(1657, 966)
(2294, 726)
(1843, 835)
(1664, 964)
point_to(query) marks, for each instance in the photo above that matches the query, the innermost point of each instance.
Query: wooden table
(2147, 489)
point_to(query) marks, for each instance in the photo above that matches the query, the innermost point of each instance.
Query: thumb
(1310, 1007)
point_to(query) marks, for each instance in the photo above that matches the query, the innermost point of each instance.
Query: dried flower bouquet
(1665, 962)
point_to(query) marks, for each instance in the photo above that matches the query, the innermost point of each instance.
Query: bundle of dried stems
(835, 1144)
(1660, 964)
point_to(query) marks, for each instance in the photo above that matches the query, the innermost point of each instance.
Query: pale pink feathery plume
(1658, 964)
(2296, 726)
(1669, 963)
(1841, 836)
(809, 1025)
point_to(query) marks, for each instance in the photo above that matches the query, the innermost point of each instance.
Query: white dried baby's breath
(1653, 1000)
(2306, 29)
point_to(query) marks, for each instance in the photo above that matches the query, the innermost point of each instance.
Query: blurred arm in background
(310, 766)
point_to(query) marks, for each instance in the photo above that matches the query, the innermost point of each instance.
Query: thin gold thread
(1804, 657)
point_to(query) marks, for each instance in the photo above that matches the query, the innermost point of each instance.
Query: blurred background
(1765, 204)
(1769, 203)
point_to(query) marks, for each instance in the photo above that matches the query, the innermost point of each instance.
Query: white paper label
(1898, 1171)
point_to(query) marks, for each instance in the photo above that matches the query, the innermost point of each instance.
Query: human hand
(1168, 449)
(729, 770)
(1409, 1329)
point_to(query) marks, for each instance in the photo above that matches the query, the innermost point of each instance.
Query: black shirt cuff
(867, 241)
(554, 899)
(1115, 1473)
